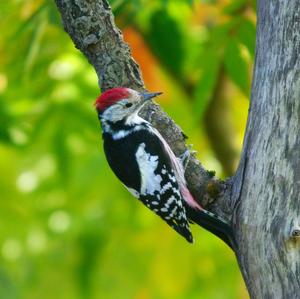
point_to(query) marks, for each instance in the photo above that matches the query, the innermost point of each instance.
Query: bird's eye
(127, 105)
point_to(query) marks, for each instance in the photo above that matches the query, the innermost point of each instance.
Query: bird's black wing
(142, 163)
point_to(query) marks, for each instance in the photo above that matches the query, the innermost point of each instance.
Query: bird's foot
(185, 157)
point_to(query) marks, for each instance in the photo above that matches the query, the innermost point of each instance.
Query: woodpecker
(144, 162)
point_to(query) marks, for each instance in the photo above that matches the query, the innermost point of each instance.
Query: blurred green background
(68, 228)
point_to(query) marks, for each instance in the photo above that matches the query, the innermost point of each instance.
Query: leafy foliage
(217, 49)
(166, 41)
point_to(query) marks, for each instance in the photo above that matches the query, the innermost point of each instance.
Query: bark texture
(267, 185)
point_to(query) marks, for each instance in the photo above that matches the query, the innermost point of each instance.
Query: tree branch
(91, 26)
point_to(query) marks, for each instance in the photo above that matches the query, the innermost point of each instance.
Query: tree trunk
(262, 198)
(268, 185)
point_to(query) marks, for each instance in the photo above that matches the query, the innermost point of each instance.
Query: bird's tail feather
(182, 230)
(212, 223)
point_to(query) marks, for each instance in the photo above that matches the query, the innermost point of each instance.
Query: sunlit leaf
(53, 15)
(209, 64)
(29, 23)
(5, 123)
(208, 1)
(236, 66)
(253, 3)
(246, 35)
(220, 34)
(8, 289)
(166, 41)
(61, 151)
(90, 244)
(34, 45)
(190, 2)
(234, 6)
(205, 86)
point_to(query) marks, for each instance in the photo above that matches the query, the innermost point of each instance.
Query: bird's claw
(185, 157)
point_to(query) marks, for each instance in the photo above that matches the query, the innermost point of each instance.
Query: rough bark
(263, 195)
(267, 184)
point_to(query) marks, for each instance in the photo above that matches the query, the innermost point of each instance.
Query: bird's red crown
(110, 97)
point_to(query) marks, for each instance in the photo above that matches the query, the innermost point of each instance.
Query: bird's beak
(148, 96)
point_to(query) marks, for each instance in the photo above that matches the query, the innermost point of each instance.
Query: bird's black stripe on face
(119, 125)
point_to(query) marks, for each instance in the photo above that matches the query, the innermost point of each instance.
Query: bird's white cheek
(113, 114)
(134, 119)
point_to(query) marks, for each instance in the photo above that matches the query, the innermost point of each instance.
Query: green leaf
(253, 4)
(137, 3)
(246, 35)
(34, 45)
(5, 123)
(8, 289)
(234, 7)
(60, 150)
(236, 66)
(208, 1)
(190, 2)
(166, 41)
(90, 244)
(29, 23)
(53, 14)
(206, 85)
(219, 34)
